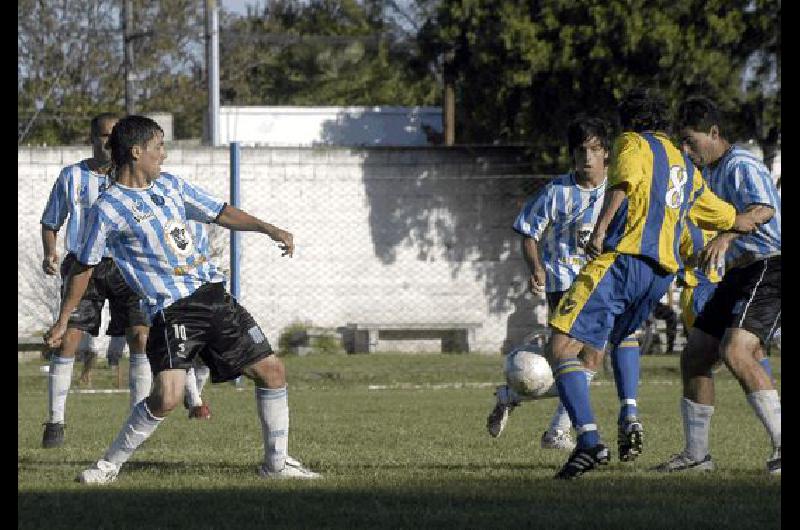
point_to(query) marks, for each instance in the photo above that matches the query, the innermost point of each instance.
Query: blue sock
(573, 388)
(767, 368)
(625, 360)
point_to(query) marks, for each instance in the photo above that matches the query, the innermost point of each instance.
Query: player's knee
(268, 372)
(592, 358)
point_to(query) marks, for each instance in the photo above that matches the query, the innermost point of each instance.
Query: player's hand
(712, 257)
(50, 264)
(595, 245)
(55, 334)
(536, 282)
(744, 223)
(285, 242)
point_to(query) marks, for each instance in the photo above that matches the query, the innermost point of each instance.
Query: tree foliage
(525, 68)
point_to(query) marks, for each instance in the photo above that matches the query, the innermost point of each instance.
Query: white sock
(141, 377)
(138, 428)
(201, 373)
(767, 405)
(696, 427)
(192, 392)
(116, 347)
(560, 420)
(58, 384)
(273, 411)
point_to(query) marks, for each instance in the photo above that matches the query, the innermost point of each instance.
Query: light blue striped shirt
(73, 193)
(561, 218)
(146, 231)
(200, 234)
(741, 179)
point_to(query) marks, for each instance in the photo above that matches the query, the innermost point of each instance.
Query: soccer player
(561, 218)
(142, 219)
(77, 187)
(634, 251)
(745, 309)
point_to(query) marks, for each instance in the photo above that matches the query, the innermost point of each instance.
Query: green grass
(395, 458)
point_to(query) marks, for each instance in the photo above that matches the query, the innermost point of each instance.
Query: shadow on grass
(596, 501)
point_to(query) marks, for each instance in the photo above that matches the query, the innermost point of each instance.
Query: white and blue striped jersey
(200, 234)
(73, 193)
(561, 217)
(741, 179)
(145, 230)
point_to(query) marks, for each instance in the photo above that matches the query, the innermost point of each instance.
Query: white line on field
(440, 386)
(99, 391)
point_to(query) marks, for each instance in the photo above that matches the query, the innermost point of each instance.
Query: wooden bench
(456, 336)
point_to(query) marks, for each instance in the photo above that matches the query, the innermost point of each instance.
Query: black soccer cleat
(629, 439)
(53, 435)
(583, 460)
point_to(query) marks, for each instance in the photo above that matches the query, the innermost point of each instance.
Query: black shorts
(747, 298)
(106, 283)
(552, 301)
(209, 323)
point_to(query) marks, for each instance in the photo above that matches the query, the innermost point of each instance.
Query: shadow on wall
(391, 127)
(456, 204)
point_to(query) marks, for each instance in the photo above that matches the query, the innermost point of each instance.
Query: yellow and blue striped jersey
(693, 240)
(662, 187)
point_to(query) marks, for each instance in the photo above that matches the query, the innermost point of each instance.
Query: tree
(524, 69)
(70, 65)
(322, 52)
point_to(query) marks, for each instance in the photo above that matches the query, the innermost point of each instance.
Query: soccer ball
(528, 373)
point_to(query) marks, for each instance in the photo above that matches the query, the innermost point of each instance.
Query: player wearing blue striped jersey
(634, 256)
(142, 219)
(744, 311)
(559, 219)
(76, 189)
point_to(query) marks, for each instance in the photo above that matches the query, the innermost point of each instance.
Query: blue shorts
(611, 297)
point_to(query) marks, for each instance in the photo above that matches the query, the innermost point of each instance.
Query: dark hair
(583, 128)
(129, 131)
(105, 116)
(643, 109)
(698, 113)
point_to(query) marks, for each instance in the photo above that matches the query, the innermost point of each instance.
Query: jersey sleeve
(754, 186)
(535, 215)
(97, 229)
(710, 212)
(200, 205)
(626, 165)
(57, 209)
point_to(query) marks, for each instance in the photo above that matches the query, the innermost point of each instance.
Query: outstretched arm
(236, 219)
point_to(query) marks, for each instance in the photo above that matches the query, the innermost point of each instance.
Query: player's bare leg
(272, 403)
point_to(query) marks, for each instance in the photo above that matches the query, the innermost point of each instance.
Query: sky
(238, 6)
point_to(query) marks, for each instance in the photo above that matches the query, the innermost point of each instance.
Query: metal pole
(449, 99)
(212, 60)
(127, 26)
(235, 236)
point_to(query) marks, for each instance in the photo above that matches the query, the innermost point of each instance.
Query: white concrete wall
(310, 126)
(394, 234)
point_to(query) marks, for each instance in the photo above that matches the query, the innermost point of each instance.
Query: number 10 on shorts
(179, 332)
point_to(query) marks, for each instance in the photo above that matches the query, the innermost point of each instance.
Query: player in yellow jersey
(652, 187)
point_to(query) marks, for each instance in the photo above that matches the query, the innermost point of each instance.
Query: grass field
(411, 452)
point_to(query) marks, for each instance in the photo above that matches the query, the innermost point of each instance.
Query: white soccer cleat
(292, 469)
(102, 472)
(683, 462)
(557, 439)
(497, 419)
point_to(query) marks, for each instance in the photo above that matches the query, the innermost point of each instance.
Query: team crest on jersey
(584, 232)
(179, 238)
(140, 214)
